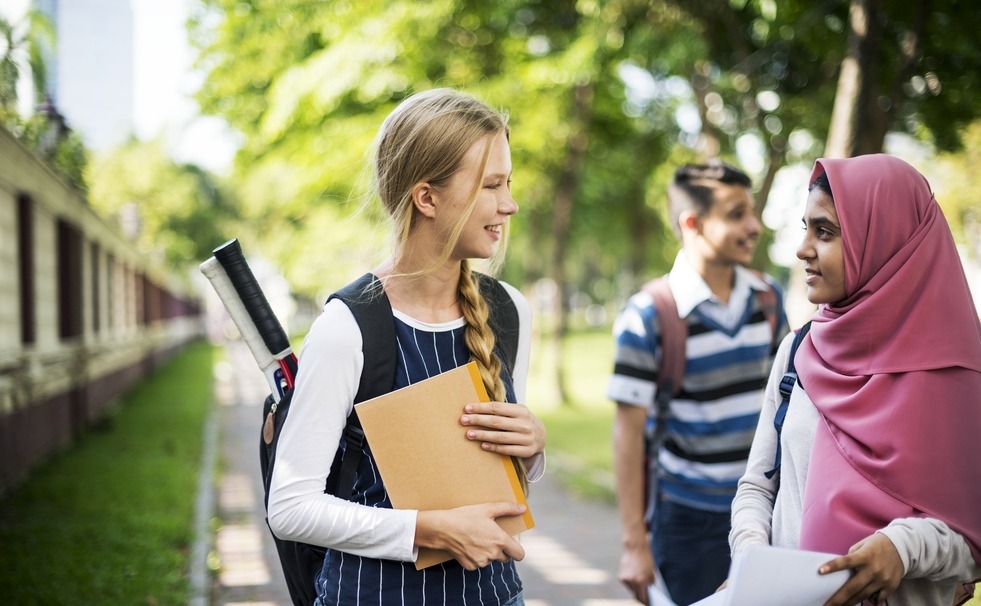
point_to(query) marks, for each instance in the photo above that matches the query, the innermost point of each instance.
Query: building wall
(94, 309)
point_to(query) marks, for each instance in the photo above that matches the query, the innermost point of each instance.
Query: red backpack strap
(674, 332)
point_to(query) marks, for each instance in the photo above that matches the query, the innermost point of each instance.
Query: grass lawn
(579, 432)
(110, 521)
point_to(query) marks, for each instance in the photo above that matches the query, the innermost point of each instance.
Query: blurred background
(144, 133)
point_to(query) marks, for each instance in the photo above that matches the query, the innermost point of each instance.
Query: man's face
(728, 233)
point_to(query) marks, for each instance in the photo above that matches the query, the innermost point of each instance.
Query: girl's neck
(430, 296)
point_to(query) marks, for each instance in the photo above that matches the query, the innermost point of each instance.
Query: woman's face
(494, 206)
(824, 263)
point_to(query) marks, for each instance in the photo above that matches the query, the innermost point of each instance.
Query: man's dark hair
(693, 184)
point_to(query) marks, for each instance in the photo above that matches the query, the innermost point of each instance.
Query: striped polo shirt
(712, 420)
(424, 350)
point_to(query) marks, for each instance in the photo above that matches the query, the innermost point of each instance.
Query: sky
(165, 82)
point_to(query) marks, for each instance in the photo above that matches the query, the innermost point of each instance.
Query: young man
(711, 421)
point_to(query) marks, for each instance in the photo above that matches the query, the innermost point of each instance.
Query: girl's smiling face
(821, 250)
(487, 221)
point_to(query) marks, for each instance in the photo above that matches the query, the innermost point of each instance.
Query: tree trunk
(857, 125)
(565, 195)
(774, 162)
(862, 114)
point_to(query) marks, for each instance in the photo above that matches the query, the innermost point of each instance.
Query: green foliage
(63, 151)
(25, 41)
(953, 179)
(933, 99)
(110, 521)
(310, 110)
(308, 84)
(176, 213)
(70, 159)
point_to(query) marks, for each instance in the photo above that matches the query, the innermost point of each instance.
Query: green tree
(596, 89)
(308, 116)
(953, 177)
(24, 41)
(908, 68)
(768, 67)
(29, 41)
(176, 213)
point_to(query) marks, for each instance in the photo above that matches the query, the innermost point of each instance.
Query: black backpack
(368, 303)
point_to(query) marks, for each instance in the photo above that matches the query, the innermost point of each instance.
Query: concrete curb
(204, 509)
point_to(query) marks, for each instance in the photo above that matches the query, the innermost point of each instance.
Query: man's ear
(689, 221)
(424, 200)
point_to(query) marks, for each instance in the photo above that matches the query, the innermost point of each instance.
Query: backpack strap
(673, 333)
(372, 310)
(770, 304)
(672, 337)
(503, 318)
(786, 388)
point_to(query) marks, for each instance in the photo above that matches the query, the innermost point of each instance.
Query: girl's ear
(424, 200)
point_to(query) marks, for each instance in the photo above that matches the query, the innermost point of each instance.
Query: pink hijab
(894, 369)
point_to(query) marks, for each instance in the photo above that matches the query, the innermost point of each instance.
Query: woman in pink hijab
(879, 456)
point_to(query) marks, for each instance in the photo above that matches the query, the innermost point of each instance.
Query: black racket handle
(230, 256)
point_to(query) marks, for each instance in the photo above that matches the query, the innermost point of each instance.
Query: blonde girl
(442, 171)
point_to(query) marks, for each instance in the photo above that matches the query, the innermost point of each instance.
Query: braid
(480, 341)
(478, 334)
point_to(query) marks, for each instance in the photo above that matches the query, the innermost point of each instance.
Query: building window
(96, 287)
(110, 302)
(25, 268)
(69, 281)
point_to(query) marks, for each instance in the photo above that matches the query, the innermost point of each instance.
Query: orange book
(425, 458)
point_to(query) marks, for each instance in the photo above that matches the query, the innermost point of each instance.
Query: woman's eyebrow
(819, 222)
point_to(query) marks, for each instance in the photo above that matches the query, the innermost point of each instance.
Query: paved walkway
(571, 554)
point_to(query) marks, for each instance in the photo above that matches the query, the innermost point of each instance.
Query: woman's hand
(878, 572)
(508, 429)
(471, 533)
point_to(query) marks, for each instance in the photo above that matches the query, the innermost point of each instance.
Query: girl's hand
(508, 429)
(471, 533)
(878, 572)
